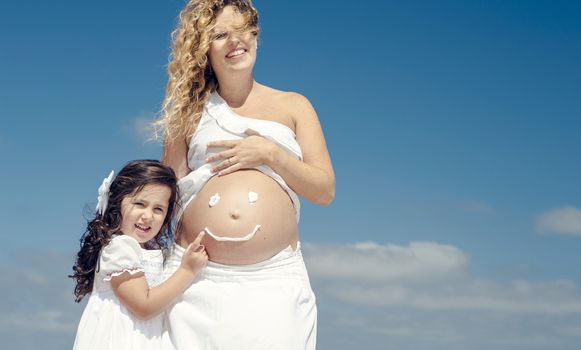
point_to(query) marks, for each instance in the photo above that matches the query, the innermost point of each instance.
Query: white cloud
(477, 207)
(37, 295)
(566, 220)
(141, 127)
(144, 128)
(429, 276)
(368, 261)
(43, 320)
(572, 330)
(423, 295)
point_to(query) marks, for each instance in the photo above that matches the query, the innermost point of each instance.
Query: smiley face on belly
(215, 200)
(247, 217)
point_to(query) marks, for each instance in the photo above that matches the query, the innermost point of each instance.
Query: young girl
(116, 272)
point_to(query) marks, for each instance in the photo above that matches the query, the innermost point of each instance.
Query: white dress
(106, 324)
(264, 306)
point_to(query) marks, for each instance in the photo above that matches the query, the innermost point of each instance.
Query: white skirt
(265, 306)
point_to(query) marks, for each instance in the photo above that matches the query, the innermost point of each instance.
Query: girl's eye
(159, 210)
(139, 204)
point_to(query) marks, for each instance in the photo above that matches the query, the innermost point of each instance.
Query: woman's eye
(219, 36)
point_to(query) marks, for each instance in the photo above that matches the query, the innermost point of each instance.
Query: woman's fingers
(245, 153)
(252, 132)
(234, 167)
(221, 155)
(223, 143)
(227, 166)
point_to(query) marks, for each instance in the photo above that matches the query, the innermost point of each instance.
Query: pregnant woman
(243, 152)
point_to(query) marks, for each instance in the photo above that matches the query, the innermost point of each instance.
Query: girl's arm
(312, 178)
(145, 302)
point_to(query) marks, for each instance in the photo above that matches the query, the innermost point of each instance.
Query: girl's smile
(143, 213)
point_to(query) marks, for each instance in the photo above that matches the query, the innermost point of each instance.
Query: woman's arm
(145, 302)
(175, 155)
(312, 178)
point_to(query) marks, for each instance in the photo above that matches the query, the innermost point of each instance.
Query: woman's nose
(233, 39)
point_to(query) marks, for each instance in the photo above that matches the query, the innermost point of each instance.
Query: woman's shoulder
(281, 96)
(290, 103)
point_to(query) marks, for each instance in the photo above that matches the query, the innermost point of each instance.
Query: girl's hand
(195, 256)
(252, 151)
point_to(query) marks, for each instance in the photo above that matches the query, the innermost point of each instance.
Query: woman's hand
(252, 151)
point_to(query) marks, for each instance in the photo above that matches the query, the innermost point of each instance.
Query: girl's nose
(147, 215)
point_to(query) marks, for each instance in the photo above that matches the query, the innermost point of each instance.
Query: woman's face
(232, 50)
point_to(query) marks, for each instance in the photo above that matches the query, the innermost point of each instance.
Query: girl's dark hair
(134, 176)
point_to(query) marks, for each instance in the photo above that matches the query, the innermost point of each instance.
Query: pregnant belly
(247, 216)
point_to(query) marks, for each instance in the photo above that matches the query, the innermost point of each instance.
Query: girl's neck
(236, 89)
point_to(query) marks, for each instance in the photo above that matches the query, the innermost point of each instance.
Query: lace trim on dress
(131, 270)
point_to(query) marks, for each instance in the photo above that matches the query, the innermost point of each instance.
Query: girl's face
(231, 49)
(143, 213)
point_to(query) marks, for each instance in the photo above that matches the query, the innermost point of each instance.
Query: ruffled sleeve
(122, 254)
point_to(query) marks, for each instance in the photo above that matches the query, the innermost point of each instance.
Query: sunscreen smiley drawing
(215, 199)
(232, 239)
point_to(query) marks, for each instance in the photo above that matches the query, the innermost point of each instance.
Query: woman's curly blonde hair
(191, 79)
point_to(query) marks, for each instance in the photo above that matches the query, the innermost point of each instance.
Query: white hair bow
(103, 198)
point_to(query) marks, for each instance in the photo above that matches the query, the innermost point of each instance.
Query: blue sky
(453, 129)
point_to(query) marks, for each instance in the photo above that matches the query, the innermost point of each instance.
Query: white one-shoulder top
(219, 122)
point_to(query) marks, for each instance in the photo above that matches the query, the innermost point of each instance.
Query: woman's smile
(236, 53)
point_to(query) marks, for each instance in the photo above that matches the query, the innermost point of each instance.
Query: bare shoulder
(297, 100)
(298, 106)
(282, 97)
(290, 103)
(285, 107)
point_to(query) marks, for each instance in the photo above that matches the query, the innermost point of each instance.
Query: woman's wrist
(274, 156)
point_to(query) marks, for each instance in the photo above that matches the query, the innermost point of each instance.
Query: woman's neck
(235, 90)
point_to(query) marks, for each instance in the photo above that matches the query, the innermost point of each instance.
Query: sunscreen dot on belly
(214, 200)
(252, 197)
